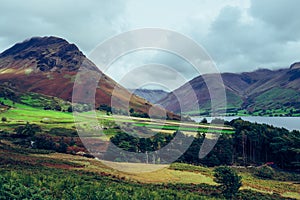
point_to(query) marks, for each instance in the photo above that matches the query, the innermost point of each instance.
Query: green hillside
(52, 169)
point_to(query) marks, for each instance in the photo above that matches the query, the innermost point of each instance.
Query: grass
(285, 188)
(179, 128)
(272, 186)
(278, 94)
(46, 183)
(16, 158)
(264, 104)
(294, 195)
(20, 114)
(46, 118)
(192, 168)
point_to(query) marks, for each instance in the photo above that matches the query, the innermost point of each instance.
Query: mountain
(49, 65)
(150, 95)
(264, 92)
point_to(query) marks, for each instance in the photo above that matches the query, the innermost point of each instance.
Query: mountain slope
(48, 65)
(257, 91)
(152, 96)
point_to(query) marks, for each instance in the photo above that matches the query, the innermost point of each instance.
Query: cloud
(264, 36)
(282, 15)
(238, 35)
(151, 66)
(85, 23)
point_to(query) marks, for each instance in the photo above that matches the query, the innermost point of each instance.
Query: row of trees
(261, 143)
(146, 146)
(252, 144)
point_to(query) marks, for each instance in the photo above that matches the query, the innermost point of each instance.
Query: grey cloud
(130, 64)
(85, 23)
(239, 45)
(149, 75)
(238, 38)
(281, 14)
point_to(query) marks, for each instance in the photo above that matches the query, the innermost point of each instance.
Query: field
(15, 162)
(21, 165)
(21, 114)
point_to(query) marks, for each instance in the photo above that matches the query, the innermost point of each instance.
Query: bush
(229, 180)
(28, 130)
(265, 172)
(4, 133)
(44, 142)
(70, 109)
(4, 119)
(65, 132)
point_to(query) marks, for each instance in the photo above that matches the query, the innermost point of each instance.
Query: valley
(18, 158)
(55, 145)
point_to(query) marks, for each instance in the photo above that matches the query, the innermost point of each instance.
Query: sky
(239, 35)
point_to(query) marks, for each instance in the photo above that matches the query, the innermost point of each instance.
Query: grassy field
(20, 114)
(25, 175)
(181, 179)
(177, 173)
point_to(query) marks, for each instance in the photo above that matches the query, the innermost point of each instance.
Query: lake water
(290, 123)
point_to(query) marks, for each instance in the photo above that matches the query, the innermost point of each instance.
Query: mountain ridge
(256, 91)
(151, 95)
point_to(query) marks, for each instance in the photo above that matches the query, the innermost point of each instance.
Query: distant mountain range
(48, 66)
(152, 96)
(262, 92)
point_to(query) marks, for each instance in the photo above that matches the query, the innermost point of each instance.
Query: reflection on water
(291, 123)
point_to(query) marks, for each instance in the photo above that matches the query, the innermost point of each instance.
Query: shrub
(265, 172)
(4, 133)
(229, 180)
(65, 132)
(4, 119)
(28, 130)
(70, 109)
(44, 142)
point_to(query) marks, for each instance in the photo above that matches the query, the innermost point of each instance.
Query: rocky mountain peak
(48, 53)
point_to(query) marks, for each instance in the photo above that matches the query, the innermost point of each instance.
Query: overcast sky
(239, 35)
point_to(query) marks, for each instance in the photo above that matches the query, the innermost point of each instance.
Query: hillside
(49, 175)
(152, 96)
(36, 168)
(49, 65)
(262, 92)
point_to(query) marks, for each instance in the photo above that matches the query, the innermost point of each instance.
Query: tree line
(252, 144)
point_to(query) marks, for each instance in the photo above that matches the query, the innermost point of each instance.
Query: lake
(290, 123)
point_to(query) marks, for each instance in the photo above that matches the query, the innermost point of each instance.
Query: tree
(131, 110)
(229, 180)
(204, 121)
(4, 119)
(57, 108)
(70, 109)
